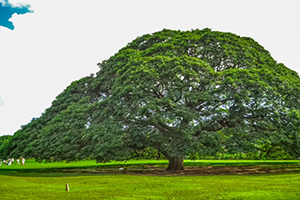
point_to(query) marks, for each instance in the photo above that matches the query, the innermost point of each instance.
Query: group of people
(11, 161)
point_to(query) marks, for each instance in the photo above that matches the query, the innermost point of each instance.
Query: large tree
(183, 93)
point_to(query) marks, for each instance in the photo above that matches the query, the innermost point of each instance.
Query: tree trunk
(175, 163)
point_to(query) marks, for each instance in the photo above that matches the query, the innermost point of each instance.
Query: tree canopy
(4, 138)
(183, 93)
(4, 141)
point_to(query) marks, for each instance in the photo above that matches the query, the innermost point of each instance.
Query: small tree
(25, 141)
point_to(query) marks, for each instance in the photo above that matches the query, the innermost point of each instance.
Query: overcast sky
(62, 41)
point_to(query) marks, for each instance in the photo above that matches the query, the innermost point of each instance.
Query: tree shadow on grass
(238, 164)
(71, 171)
(32, 173)
(159, 170)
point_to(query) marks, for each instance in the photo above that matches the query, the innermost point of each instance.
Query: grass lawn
(22, 182)
(31, 164)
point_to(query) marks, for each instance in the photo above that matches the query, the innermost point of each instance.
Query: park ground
(147, 179)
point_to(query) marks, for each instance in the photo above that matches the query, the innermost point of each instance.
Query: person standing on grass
(18, 161)
(23, 161)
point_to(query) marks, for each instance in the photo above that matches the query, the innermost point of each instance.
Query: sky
(7, 10)
(49, 44)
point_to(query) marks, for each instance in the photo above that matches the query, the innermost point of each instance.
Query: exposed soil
(191, 170)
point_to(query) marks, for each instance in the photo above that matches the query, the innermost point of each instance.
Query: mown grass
(31, 164)
(283, 186)
(15, 183)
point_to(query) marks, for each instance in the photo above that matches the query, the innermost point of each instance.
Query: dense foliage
(4, 142)
(4, 139)
(192, 93)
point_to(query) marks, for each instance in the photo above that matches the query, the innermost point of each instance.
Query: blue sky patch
(7, 10)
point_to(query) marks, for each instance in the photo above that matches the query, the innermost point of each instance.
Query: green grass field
(31, 164)
(29, 182)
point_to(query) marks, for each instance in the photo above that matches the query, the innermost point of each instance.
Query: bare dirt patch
(194, 171)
